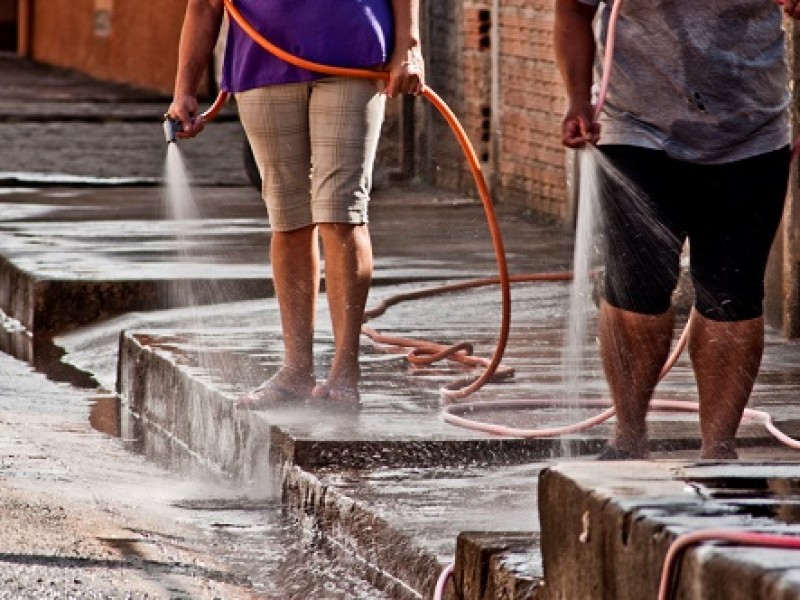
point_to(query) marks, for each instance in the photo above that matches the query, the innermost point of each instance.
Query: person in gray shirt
(694, 146)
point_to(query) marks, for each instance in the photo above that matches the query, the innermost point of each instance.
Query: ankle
(296, 376)
(348, 376)
(719, 450)
(632, 443)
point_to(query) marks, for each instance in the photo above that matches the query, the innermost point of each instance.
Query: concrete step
(606, 529)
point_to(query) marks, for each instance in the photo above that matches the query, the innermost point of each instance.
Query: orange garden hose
(425, 352)
(428, 352)
(433, 351)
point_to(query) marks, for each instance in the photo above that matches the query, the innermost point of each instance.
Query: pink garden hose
(452, 413)
(428, 352)
(741, 538)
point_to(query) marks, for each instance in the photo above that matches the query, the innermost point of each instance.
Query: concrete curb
(601, 526)
(496, 565)
(394, 562)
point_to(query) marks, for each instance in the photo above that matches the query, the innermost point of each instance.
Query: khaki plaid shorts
(315, 146)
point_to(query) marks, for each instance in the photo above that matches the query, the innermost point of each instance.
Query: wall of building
(119, 40)
(531, 158)
(493, 63)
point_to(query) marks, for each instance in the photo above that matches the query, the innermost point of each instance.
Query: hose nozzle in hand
(171, 127)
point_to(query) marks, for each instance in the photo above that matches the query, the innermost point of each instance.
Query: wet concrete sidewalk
(177, 318)
(74, 528)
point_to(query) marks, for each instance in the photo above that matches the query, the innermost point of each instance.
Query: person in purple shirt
(314, 138)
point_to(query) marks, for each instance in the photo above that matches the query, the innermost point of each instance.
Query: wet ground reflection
(246, 527)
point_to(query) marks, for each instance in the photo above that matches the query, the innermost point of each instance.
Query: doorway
(8, 25)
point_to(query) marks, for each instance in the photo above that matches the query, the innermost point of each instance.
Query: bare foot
(341, 387)
(287, 386)
(632, 447)
(719, 451)
(345, 395)
(611, 452)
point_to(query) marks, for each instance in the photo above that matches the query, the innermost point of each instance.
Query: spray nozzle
(171, 127)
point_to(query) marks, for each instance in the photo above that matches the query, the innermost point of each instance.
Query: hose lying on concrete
(425, 352)
(429, 352)
(472, 160)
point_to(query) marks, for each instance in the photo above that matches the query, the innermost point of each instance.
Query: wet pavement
(85, 517)
(108, 295)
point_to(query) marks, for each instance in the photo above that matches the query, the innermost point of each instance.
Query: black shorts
(651, 204)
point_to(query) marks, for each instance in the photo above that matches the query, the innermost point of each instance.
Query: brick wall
(515, 129)
(531, 161)
(441, 161)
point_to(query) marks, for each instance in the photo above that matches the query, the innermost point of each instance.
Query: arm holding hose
(791, 8)
(573, 39)
(406, 66)
(198, 37)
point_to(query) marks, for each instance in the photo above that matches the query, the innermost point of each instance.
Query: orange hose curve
(474, 166)
(427, 352)
(215, 108)
(462, 352)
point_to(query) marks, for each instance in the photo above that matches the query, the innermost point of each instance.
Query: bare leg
(348, 275)
(726, 358)
(295, 269)
(634, 347)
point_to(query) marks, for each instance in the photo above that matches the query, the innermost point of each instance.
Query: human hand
(791, 8)
(184, 109)
(406, 73)
(579, 128)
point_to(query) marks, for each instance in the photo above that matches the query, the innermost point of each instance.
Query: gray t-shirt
(704, 80)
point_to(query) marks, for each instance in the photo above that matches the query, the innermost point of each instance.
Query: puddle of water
(246, 527)
(105, 415)
(41, 353)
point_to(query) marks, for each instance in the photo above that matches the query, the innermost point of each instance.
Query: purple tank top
(344, 33)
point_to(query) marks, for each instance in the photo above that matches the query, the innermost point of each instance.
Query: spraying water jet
(492, 368)
(504, 279)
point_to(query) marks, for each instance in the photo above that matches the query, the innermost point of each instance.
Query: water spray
(452, 394)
